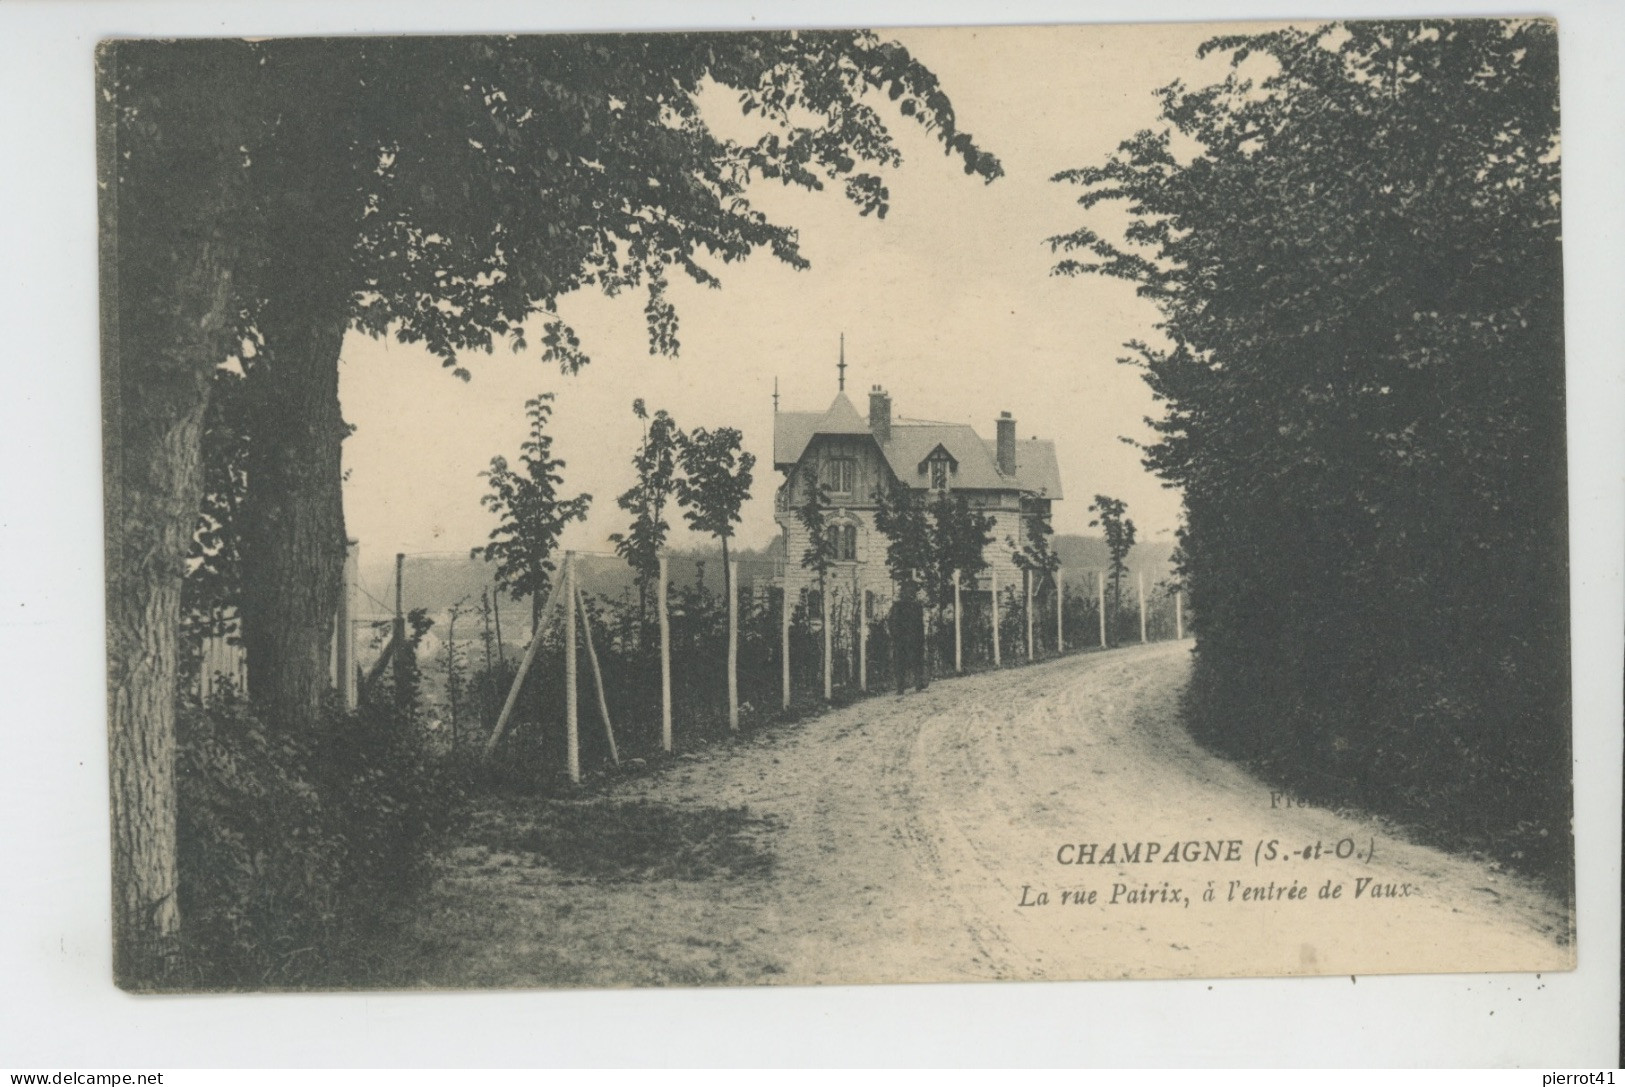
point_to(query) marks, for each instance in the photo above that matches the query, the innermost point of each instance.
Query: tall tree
(280, 194)
(929, 540)
(656, 465)
(443, 191)
(960, 534)
(714, 485)
(171, 227)
(1354, 240)
(901, 517)
(531, 512)
(1119, 532)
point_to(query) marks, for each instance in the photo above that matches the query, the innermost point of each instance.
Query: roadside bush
(293, 849)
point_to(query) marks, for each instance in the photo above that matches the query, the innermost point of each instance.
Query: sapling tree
(900, 516)
(531, 512)
(715, 485)
(928, 541)
(1119, 533)
(656, 465)
(1034, 551)
(456, 665)
(960, 534)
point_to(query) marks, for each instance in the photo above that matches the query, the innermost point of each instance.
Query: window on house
(846, 543)
(939, 474)
(841, 475)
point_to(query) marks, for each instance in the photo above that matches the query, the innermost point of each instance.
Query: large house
(855, 457)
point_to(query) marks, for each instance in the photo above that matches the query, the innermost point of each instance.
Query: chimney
(1007, 444)
(880, 414)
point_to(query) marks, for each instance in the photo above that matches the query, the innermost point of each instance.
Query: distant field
(437, 582)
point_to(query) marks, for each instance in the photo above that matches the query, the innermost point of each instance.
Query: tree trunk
(167, 318)
(154, 485)
(294, 539)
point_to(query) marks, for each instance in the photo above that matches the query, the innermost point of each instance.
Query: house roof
(792, 430)
(1036, 467)
(912, 443)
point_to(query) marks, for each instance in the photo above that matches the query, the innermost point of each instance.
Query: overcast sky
(947, 302)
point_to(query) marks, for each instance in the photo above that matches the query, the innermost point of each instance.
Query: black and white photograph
(830, 507)
(894, 534)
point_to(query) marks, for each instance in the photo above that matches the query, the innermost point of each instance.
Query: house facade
(857, 457)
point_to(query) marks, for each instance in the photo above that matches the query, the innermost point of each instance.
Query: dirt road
(936, 837)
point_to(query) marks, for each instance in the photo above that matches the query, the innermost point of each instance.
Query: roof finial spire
(841, 366)
(775, 395)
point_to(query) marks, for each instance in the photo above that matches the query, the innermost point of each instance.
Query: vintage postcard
(836, 506)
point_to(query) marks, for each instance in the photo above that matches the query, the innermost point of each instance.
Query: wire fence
(620, 669)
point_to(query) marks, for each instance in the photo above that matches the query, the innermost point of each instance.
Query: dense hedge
(1355, 244)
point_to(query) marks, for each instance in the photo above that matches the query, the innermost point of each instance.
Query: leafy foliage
(656, 465)
(821, 551)
(294, 848)
(1035, 553)
(495, 175)
(532, 513)
(960, 535)
(1119, 532)
(928, 540)
(900, 516)
(1354, 241)
(715, 483)
(211, 590)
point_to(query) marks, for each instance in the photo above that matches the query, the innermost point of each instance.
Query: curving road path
(907, 833)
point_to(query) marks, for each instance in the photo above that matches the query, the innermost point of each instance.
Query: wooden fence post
(784, 640)
(1060, 604)
(959, 636)
(1140, 579)
(829, 653)
(993, 582)
(496, 619)
(665, 661)
(572, 734)
(451, 672)
(519, 677)
(863, 639)
(733, 645)
(927, 653)
(597, 679)
(349, 690)
(1027, 610)
(1179, 616)
(1100, 584)
(398, 662)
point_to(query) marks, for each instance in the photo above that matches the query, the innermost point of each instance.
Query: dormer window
(841, 474)
(938, 469)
